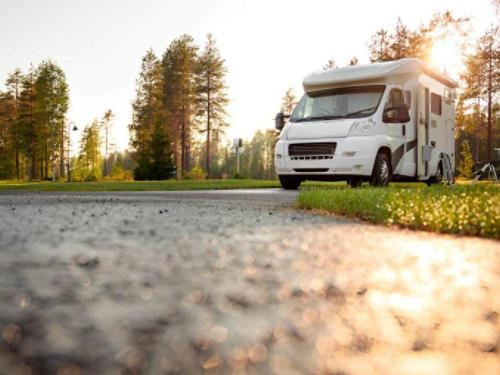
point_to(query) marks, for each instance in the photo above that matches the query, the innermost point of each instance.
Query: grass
(169, 185)
(470, 209)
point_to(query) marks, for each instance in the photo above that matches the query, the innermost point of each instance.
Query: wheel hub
(384, 171)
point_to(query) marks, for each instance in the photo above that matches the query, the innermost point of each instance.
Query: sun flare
(445, 55)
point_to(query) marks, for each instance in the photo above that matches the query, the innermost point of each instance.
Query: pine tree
(380, 46)
(179, 63)
(161, 157)
(106, 124)
(148, 112)
(330, 65)
(51, 105)
(418, 43)
(489, 52)
(288, 102)
(400, 41)
(90, 151)
(29, 135)
(211, 97)
(353, 61)
(7, 147)
(482, 83)
(13, 85)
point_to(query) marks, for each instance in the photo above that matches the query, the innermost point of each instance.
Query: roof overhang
(372, 72)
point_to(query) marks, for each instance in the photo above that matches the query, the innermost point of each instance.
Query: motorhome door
(423, 148)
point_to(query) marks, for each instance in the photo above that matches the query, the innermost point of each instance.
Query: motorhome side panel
(438, 118)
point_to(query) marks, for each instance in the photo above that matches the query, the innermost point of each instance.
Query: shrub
(196, 173)
(466, 164)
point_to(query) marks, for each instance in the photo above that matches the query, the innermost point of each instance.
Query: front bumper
(353, 156)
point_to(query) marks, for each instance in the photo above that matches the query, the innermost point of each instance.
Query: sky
(268, 46)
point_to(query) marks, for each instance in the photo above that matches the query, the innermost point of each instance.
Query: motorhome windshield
(346, 102)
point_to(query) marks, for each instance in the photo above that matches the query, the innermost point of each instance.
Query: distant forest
(179, 119)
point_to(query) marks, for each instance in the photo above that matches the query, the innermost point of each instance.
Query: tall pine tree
(211, 97)
(149, 138)
(28, 129)
(51, 105)
(14, 85)
(179, 64)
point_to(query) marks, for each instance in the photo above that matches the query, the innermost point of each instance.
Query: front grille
(312, 157)
(311, 151)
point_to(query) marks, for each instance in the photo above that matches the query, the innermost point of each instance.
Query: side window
(436, 103)
(408, 98)
(395, 98)
(393, 111)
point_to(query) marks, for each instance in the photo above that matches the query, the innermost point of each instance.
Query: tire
(381, 174)
(354, 182)
(438, 178)
(290, 182)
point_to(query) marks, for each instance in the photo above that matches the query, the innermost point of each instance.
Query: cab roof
(358, 73)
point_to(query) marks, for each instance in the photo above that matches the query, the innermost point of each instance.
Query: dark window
(408, 98)
(436, 104)
(395, 99)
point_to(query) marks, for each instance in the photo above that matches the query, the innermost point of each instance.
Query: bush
(196, 173)
(90, 178)
(466, 164)
(118, 173)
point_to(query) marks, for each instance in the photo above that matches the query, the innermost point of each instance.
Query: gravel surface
(236, 282)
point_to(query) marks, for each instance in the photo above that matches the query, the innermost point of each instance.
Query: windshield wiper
(347, 115)
(313, 118)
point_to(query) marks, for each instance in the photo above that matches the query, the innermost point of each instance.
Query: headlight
(362, 127)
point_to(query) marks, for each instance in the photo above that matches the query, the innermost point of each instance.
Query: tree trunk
(490, 89)
(208, 129)
(183, 147)
(46, 174)
(33, 160)
(17, 164)
(33, 146)
(61, 156)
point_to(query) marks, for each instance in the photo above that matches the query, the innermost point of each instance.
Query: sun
(445, 55)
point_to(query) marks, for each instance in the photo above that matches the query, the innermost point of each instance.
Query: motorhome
(378, 122)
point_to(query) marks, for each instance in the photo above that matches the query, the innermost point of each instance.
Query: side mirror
(279, 121)
(396, 115)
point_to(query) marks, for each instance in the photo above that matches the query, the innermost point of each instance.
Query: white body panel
(355, 155)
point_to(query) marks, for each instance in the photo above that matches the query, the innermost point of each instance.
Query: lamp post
(237, 143)
(69, 146)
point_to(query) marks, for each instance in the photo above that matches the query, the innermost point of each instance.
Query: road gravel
(226, 282)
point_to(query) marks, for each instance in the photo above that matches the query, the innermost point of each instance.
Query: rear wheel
(354, 182)
(290, 182)
(381, 175)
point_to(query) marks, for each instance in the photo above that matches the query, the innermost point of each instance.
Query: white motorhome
(378, 122)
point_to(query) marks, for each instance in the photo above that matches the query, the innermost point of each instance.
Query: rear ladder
(448, 173)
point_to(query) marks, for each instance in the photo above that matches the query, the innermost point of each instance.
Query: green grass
(169, 185)
(470, 209)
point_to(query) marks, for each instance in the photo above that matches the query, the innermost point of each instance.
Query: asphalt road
(236, 282)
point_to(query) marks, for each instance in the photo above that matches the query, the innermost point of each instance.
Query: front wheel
(381, 175)
(290, 182)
